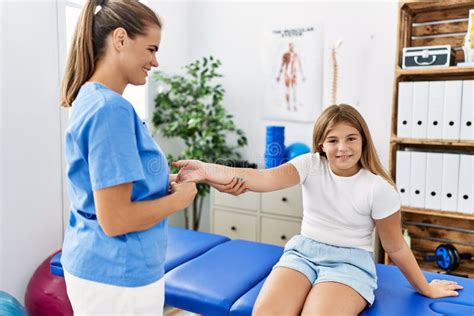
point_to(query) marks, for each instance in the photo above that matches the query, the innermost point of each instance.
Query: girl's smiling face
(343, 149)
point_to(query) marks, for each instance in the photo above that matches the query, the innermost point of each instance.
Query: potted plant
(189, 107)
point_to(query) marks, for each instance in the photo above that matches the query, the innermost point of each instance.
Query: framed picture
(293, 73)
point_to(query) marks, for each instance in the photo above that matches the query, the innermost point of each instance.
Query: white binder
(467, 111)
(420, 109)
(449, 190)
(402, 176)
(417, 179)
(405, 99)
(452, 109)
(434, 176)
(435, 109)
(466, 184)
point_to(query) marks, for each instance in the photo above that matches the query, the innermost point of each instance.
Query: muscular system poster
(293, 73)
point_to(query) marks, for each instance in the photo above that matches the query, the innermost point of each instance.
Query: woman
(115, 243)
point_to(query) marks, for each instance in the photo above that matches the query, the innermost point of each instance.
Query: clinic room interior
(267, 119)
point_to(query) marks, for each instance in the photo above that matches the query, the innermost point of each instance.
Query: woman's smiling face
(140, 55)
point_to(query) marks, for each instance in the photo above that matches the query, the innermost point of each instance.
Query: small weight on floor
(447, 257)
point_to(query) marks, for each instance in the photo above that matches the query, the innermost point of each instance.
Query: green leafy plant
(189, 107)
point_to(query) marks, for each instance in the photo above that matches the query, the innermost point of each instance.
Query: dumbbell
(447, 257)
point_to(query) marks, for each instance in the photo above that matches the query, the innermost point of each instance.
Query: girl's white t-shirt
(340, 211)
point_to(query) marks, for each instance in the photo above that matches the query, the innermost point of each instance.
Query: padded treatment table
(244, 305)
(394, 297)
(184, 245)
(212, 275)
(211, 283)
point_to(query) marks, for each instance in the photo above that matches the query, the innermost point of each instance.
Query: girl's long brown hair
(88, 44)
(344, 113)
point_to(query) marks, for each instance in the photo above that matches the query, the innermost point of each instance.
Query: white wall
(233, 32)
(30, 209)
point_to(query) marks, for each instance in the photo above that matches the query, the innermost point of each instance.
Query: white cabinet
(272, 217)
(278, 231)
(249, 201)
(235, 225)
(283, 202)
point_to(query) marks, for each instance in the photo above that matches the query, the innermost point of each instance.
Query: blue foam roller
(275, 146)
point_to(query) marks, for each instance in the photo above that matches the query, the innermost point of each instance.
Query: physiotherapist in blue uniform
(119, 186)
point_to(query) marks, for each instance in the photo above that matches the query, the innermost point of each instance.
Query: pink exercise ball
(46, 293)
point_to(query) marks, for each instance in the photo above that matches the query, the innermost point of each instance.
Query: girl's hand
(235, 187)
(191, 171)
(443, 288)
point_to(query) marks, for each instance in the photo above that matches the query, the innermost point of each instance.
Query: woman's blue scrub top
(107, 144)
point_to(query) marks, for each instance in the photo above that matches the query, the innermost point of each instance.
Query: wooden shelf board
(450, 71)
(437, 213)
(433, 142)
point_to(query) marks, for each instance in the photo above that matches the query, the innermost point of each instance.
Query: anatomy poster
(293, 73)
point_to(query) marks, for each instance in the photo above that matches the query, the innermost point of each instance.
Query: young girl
(329, 268)
(115, 243)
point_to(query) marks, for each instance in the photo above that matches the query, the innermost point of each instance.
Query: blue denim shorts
(320, 262)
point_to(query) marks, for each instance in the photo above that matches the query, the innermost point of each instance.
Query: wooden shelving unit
(429, 228)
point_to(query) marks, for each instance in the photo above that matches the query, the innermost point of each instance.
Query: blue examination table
(212, 275)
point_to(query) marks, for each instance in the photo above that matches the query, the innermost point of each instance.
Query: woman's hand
(172, 177)
(443, 288)
(191, 171)
(184, 192)
(235, 187)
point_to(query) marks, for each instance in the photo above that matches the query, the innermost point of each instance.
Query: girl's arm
(257, 180)
(118, 215)
(390, 233)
